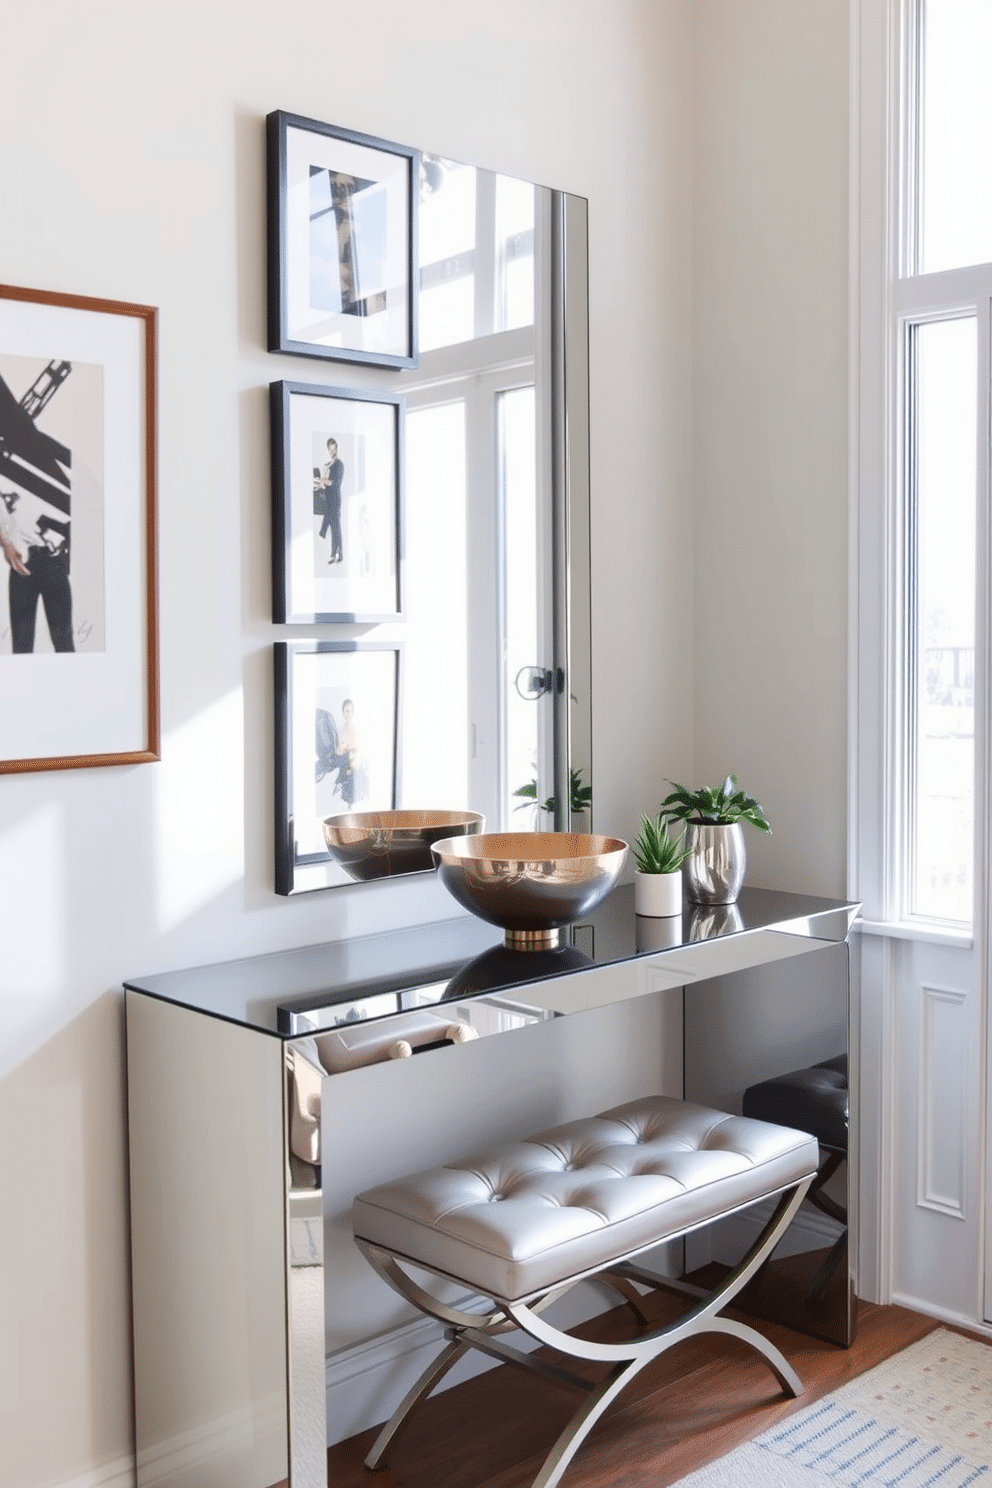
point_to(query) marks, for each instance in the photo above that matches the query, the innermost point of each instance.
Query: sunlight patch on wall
(32, 885)
(200, 810)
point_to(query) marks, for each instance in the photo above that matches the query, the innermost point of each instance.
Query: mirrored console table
(227, 1081)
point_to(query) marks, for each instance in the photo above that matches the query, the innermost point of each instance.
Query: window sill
(963, 940)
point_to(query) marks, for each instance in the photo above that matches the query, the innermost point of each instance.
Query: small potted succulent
(717, 856)
(658, 877)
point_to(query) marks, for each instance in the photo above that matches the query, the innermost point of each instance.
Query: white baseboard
(218, 1452)
(118, 1474)
(943, 1314)
(367, 1381)
(728, 1239)
(810, 1230)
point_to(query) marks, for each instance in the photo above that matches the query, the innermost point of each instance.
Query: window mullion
(911, 138)
(945, 294)
(983, 618)
(907, 639)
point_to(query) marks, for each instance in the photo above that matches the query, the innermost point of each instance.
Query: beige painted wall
(770, 335)
(131, 166)
(710, 139)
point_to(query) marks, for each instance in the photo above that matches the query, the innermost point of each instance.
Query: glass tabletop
(295, 992)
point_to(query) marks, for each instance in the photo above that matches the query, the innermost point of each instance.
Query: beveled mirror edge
(573, 722)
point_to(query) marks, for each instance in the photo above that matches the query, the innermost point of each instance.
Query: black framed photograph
(337, 501)
(78, 614)
(337, 706)
(342, 230)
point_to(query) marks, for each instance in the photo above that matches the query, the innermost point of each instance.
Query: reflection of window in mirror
(514, 253)
(477, 503)
(436, 704)
(446, 231)
(519, 601)
(476, 237)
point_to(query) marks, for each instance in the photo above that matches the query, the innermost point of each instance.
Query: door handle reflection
(533, 682)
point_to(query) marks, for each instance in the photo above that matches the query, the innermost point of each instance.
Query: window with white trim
(938, 398)
(938, 498)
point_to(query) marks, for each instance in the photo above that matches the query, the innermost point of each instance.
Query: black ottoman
(814, 1100)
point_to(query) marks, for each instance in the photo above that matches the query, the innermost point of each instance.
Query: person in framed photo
(355, 779)
(340, 748)
(36, 548)
(331, 477)
(35, 514)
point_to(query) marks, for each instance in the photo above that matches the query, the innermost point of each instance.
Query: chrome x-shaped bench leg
(626, 1359)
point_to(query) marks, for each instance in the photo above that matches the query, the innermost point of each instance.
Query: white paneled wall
(937, 1131)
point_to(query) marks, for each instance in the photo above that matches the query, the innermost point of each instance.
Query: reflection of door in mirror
(478, 503)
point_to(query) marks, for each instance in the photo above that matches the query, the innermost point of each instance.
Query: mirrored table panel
(230, 1073)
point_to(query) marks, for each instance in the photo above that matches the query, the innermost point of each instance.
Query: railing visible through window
(940, 527)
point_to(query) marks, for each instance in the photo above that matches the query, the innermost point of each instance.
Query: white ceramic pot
(658, 932)
(658, 894)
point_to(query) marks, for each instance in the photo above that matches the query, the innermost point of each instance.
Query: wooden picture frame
(79, 627)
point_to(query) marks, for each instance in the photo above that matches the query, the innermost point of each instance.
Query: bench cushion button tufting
(649, 1170)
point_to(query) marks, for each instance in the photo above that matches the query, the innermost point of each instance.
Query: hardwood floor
(695, 1403)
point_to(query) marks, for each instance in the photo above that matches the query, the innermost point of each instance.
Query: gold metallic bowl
(530, 884)
(380, 844)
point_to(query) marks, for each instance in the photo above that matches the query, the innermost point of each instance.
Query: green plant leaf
(714, 805)
(677, 796)
(580, 796)
(655, 850)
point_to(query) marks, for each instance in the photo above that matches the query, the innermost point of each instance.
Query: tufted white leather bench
(521, 1223)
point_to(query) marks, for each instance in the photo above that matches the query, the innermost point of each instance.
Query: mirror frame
(570, 496)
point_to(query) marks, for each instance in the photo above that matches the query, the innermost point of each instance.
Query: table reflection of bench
(815, 1100)
(521, 1223)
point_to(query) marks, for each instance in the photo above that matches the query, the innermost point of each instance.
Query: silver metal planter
(714, 870)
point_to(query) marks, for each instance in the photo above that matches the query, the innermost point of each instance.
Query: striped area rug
(923, 1419)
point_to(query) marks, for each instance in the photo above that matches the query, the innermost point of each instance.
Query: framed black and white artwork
(78, 620)
(342, 243)
(337, 706)
(337, 502)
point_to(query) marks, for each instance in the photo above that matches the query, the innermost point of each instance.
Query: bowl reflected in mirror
(382, 844)
(502, 969)
(530, 884)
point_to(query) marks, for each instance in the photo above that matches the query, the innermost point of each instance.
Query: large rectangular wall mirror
(495, 705)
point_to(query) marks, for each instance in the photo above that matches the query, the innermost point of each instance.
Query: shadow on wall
(65, 1339)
